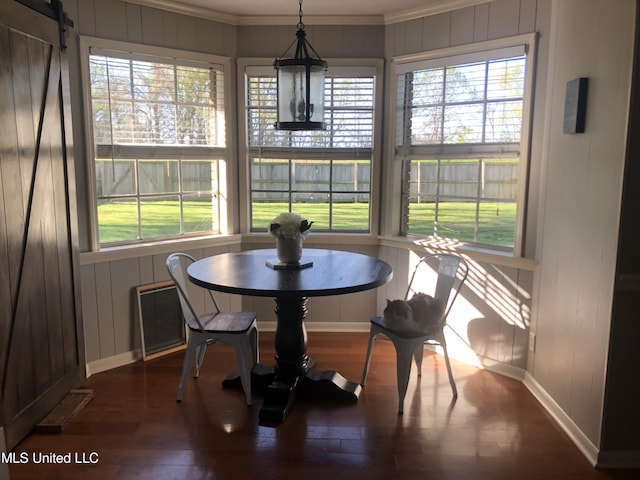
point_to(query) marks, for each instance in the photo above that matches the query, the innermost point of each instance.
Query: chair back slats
(177, 273)
(450, 267)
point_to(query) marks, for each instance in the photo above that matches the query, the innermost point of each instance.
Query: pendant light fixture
(300, 83)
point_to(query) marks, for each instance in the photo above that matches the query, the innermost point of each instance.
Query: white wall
(579, 210)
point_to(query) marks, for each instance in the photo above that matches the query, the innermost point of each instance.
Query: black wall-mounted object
(575, 105)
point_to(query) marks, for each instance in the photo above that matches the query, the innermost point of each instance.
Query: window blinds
(140, 101)
(348, 114)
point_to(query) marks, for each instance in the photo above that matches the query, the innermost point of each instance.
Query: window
(459, 138)
(323, 175)
(159, 134)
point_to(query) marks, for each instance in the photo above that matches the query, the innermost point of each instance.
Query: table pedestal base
(280, 396)
(294, 373)
(278, 400)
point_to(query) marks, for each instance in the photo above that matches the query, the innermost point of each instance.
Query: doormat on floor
(65, 411)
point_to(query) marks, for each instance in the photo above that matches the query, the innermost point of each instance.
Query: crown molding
(190, 10)
(432, 8)
(209, 14)
(312, 20)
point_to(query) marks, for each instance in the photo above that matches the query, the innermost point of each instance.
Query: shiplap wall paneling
(487, 332)
(366, 41)
(436, 32)
(481, 23)
(514, 327)
(504, 19)
(397, 287)
(497, 19)
(414, 34)
(104, 305)
(336, 41)
(263, 41)
(146, 271)
(524, 296)
(124, 279)
(187, 33)
(572, 308)
(90, 313)
(529, 15)
(462, 23)
(227, 301)
(134, 23)
(110, 19)
(505, 316)
(84, 18)
(263, 306)
(153, 26)
(170, 30)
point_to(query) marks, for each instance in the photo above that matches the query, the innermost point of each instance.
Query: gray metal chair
(410, 344)
(238, 329)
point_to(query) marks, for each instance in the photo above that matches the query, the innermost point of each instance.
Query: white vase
(289, 250)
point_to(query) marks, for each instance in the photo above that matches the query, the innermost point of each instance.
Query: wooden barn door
(41, 353)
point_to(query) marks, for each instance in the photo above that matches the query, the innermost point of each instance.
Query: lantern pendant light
(300, 82)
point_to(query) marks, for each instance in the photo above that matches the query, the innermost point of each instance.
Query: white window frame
(87, 44)
(343, 64)
(393, 179)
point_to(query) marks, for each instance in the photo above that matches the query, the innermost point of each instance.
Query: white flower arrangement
(289, 225)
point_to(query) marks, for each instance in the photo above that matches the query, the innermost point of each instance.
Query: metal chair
(411, 343)
(238, 329)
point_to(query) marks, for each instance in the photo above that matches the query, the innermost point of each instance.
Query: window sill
(484, 255)
(156, 248)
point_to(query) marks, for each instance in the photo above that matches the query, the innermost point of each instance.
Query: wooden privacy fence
(317, 181)
(120, 177)
(313, 181)
(497, 180)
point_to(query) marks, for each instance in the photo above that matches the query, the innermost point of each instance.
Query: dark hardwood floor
(136, 430)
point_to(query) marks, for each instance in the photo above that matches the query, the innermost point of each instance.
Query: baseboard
(110, 363)
(626, 460)
(346, 327)
(509, 371)
(588, 449)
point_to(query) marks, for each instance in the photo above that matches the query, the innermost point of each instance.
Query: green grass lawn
(118, 221)
(346, 216)
(496, 222)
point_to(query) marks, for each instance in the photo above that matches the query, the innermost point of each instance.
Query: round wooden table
(331, 272)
